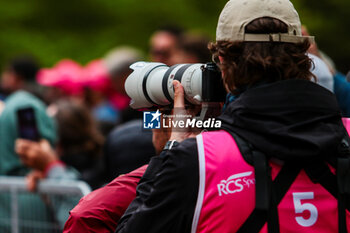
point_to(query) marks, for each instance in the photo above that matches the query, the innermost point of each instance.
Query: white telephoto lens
(137, 83)
(151, 84)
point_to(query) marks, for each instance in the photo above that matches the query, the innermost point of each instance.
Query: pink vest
(226, 194)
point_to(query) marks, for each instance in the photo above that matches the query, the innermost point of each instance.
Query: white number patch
(300, 208)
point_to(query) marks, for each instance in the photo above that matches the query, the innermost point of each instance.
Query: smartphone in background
(27, 128)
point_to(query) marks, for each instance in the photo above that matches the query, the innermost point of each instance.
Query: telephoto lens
(150, 84)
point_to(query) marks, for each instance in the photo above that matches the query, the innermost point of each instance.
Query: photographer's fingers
(179, 101)
(179, 104)
(179, 95)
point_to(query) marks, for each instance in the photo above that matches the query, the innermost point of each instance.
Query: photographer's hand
(180, 134)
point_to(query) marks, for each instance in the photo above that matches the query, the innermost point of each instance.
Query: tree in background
(86, 29)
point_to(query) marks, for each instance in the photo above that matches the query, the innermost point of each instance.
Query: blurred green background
(86, 29)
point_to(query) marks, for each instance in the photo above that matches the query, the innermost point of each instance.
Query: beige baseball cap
(238, 13)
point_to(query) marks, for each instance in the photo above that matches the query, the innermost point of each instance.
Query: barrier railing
(41, 212)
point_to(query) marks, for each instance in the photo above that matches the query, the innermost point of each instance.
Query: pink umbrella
(96, 77)
(65, 75)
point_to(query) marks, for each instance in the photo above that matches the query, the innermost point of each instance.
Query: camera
(150, 84)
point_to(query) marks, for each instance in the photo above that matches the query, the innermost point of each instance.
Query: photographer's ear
(221, 59)
(179, 95)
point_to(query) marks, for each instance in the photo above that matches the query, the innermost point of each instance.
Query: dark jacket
(285, 119)
(127, 147)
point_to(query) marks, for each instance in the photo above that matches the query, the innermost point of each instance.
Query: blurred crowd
(87, 129)
(88, 104)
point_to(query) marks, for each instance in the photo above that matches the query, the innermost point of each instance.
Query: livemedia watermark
(157, 120)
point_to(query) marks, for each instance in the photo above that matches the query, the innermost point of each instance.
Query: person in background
(163, 43)
(97, 89)
(77, 155)
(341, 86)
(2, 94)
(317, 52)
(342, 92)
(127, 147)
(100, 210)
(323, 68)
(191, 48)
(62, 81)
(117, 62)
(323, 75)
(2, 106)
(89, 85)
(45, 164)
(19, 74)
(19, 79)
(79, 142)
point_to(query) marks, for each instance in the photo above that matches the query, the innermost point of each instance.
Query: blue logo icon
(151, 120)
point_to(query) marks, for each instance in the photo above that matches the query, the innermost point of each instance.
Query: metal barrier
(41, 212)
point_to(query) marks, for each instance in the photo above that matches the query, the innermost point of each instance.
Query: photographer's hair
(248, 63)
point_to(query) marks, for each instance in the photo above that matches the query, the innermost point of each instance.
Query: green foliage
(86, 29)
(329, 22)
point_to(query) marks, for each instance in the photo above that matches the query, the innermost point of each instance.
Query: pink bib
(226, 194)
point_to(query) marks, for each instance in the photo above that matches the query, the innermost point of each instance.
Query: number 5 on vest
(300, 208)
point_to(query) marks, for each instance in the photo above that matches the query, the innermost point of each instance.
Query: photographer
(271, 162)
